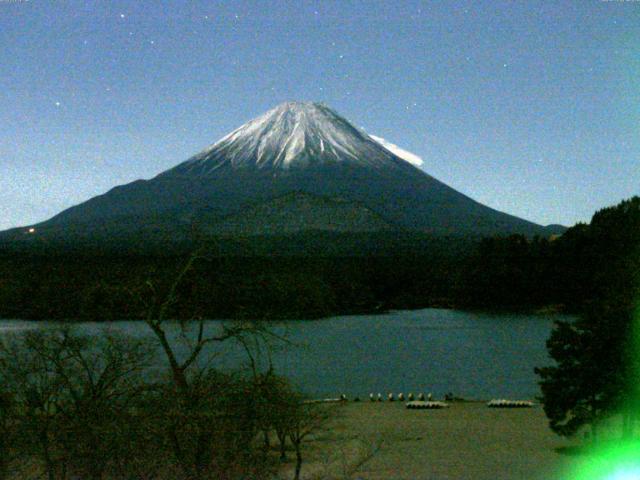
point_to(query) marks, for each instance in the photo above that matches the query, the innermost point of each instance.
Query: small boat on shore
(503, 403)
(422, 405)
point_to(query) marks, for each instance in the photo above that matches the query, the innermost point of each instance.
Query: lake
(473, 355)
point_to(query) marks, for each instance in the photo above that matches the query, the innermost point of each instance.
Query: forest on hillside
(503, 273)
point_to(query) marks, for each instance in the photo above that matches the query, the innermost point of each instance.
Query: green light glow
(626, 474)
(620, 461)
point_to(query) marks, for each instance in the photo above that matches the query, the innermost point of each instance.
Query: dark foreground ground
(466, 441)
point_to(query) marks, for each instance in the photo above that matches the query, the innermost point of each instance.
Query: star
(341, 57)
(504, 65)
(152, 42)
(122, 15)
(57, 104)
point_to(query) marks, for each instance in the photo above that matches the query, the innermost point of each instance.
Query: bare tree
(101, 377)
(307, 419)
(198, 418)
(296, 419)
(157, 311)
(279, 402)
(74, 394)
(32, 381)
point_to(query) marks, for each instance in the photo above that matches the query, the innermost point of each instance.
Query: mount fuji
(298, 167)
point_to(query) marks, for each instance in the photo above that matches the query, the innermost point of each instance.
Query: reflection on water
(472, 355)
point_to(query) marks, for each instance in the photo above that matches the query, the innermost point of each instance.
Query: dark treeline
(111, 287)
(513, 272)
(573, 271)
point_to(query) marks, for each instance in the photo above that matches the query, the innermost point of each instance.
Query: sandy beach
(466, 441)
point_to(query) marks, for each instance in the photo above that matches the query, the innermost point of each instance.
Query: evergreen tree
(591, 377)
(597, 371)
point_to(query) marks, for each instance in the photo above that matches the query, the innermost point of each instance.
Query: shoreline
(465, 441)
(551, 309)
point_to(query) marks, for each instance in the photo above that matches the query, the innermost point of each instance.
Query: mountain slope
(298, 212)
(295, 147)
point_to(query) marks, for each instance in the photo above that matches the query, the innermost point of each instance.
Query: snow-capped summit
(292, 135)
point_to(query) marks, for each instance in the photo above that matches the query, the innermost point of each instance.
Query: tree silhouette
(597, 356)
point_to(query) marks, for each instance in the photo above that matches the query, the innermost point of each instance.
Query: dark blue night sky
(530, 107)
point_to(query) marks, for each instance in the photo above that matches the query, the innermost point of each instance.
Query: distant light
(32, 230)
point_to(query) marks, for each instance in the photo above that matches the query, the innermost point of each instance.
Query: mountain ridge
(294, 147)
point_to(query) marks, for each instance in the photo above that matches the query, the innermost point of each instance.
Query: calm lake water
(473, 355)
